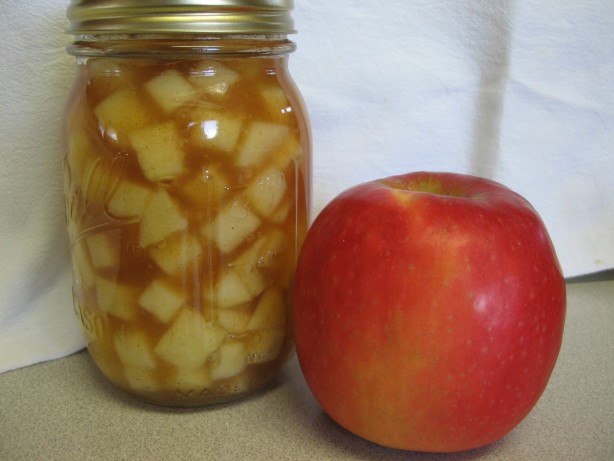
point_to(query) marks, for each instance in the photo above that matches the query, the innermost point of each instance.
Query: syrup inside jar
(187, 193)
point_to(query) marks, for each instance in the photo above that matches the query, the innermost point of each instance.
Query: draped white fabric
(521, 91)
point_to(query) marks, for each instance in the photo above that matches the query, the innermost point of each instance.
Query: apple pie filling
(186, 188)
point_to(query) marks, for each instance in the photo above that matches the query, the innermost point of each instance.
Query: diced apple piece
(170, 90)
(121, 113)
(252, 255)
(189, 340)
(176, 253)
(272, 248)
(265, 345)
(261, 140)
(215, 130)
(141, 379)
(232, 360)
(158, 151)
(266, 191)
(275, 99)
(161, 299)
(270, 312)
(282, 211)
(133, 349)
(128, 199)
(213, 78)
(103, 249)
(246, 266)
(116, 299)
(252, 279)
(188, 381)
(235, 287)
(205, 189)
(264, 252)
(233, 224)
(230, 290)
(235, 319)
(289, 151)
(161, 218)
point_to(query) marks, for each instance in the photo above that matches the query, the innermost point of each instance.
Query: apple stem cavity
(427, 185)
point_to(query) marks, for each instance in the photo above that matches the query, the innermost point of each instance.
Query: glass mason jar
(187, 187)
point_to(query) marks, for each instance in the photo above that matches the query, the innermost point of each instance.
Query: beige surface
(64, 410)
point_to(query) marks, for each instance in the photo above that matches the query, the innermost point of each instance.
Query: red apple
(429, 310)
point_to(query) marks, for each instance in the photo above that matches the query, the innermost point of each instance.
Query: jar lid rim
(180, 16)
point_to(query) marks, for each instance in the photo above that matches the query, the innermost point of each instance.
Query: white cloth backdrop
(521, 91)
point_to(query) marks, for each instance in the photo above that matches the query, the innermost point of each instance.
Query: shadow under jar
(187, 186)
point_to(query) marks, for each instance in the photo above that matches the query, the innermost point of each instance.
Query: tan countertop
(64, 410)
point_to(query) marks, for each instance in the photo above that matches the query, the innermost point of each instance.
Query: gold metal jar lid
(90, 17)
